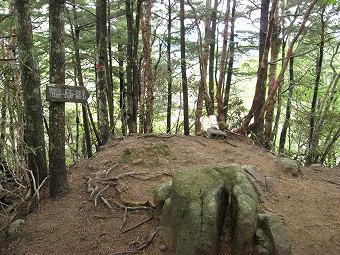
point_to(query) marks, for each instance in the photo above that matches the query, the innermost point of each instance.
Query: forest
(268, 70)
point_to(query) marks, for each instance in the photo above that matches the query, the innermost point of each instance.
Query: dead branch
(133, 208)
(234, 145)
(105, 202)
(125, 218)
(192, 139)
(332, 182)
(99, 192)
(111, 168)
(137, 225)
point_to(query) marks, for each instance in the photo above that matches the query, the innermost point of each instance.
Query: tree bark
(30, 82)
(122, 94)
(230, 61)
(275, 49)
(183, 69)
(148, 74)
(222, 69)
(109, 69)
(313, 139)
(212, 42)
(286, 122)
(57, 163)
(103, 121)
(76, 38)
(169, 69)
(262, 73)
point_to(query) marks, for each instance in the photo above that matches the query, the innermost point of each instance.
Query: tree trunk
(279, 79)
(230, 61)
(109, 69)
(212, 42)
(264, 32)
(76, 38)
(57, 163)
(30, 81)
(313, 139)
(286, 123)
(203, 51)
(169, 68)
(148, 74)
(275, 49)
(183, 69)
(136, 66)
(219, 99)
(103, 121)
(262, 73)
(122, 94)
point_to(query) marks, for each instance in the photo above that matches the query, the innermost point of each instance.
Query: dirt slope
(71, 224)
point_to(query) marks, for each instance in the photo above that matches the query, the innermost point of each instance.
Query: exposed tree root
(136, 246)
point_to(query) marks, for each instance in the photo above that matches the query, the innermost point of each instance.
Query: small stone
(15, 229)
(162, 247)
(137, 161)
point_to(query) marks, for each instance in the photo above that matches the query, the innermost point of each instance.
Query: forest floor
(71, 224)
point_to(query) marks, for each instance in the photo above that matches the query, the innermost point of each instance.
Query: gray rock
(254, 174)
(192, 218)
(244, 206)
(257, 182)
(276, 233)
(262, 244)
(161, 194)
(270, 184)
(316, 166)
(15, 229)
(288, 165)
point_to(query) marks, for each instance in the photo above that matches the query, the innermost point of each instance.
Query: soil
(74, 224)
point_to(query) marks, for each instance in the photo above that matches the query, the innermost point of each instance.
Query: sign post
(63, 93)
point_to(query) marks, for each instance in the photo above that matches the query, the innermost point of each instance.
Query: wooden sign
(62, 93)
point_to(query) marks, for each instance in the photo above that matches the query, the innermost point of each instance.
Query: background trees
(130, 58)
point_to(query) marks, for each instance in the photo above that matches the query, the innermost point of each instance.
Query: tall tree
(169, 67)
(101, 66)
(279, 78)
(75, 31)
(286, 122)
(30, 81)
(57, 162)
(261, 74)
(275, 49)
(131, 67)
(313, 140)
(109, 69)
(184, 71)
(212, 43)
(230, 61)
(148, 74)
(222, 69)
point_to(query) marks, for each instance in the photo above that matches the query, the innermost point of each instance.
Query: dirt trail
(309, 204)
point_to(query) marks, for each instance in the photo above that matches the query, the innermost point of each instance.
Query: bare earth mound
(71, 224)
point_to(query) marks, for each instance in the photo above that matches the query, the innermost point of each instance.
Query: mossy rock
(129, 154)
(159, 148)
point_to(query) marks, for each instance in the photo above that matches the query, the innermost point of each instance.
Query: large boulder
(288, 165)
(192, 217)
(278, 241)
